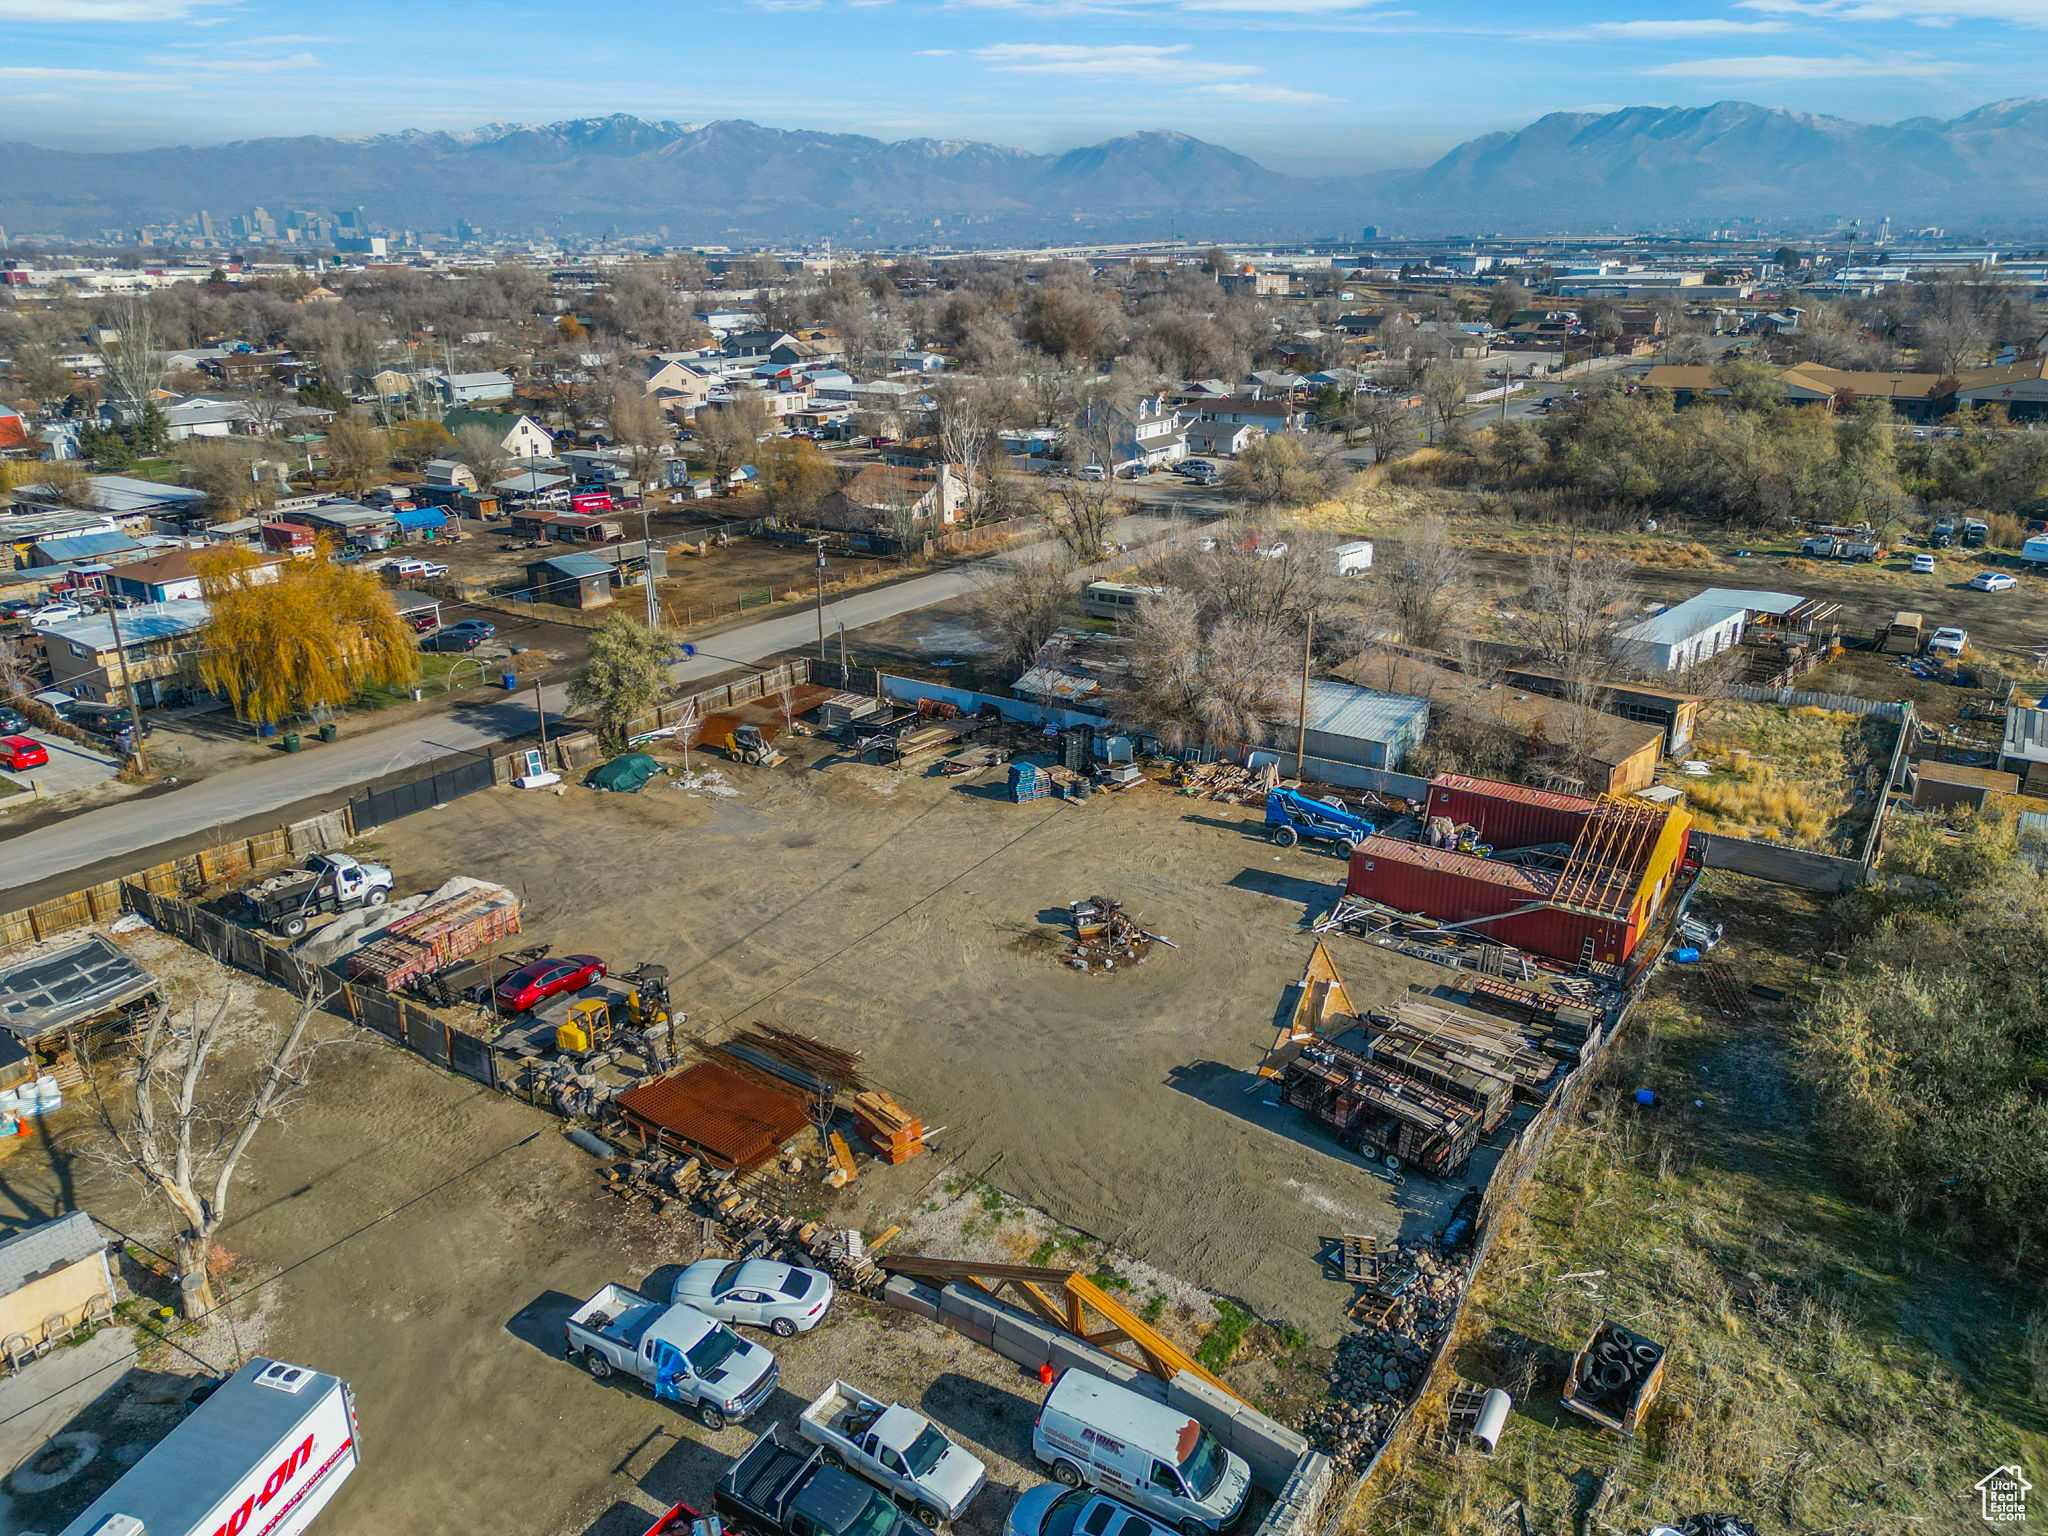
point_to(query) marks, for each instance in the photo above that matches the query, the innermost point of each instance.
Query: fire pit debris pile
(1107, 938)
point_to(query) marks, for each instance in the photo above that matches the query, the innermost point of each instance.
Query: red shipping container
(1456, 887)
(1509, 815)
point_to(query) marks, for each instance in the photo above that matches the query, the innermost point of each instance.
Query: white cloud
(1772, 67)
(1704, 26)
(1275, 95)
(205, 66)
(1926, 13)
(1129, 61)
(97, 76)
(72, 12)
(934, 53)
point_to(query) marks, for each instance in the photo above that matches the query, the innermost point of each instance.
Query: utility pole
(128, 685)
(647, 556)
(540, 716)
(1308, 643)
(819, 546)
(1507, 389)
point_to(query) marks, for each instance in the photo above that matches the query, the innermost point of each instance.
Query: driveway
(70, 767)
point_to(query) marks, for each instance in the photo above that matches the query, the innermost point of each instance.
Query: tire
(711, 1418)
(929, 1515)
(291, 927)
(1066, 1474)
(1346, 847)
(833, 1458)
(1193, 1527)
(783, 1328)
(377, 898)
(597, 1365)
(1393, 1163)
(1286, 837)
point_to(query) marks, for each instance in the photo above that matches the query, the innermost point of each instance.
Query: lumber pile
(1228, 782)
(1465, 1043)
(803, 1061)
(893, 1131)
(436, 936)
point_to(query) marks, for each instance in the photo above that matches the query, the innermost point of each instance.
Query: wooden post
(1301, 731)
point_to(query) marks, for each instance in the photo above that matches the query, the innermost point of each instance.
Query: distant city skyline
(1302, 85)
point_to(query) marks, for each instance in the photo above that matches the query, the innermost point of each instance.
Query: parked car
(1994, 581)
(683, 1357)
(19, 752)
(1094, 1432)
(779, 1297)
(453, 638)
(894, 1448)
(104, 721)
(1050, 1510)
(483, 629)
(12, 722)
(539, 980)
(49, 613)
(407, 570)
(422, 622)
(1947, 641)
(1923, 565)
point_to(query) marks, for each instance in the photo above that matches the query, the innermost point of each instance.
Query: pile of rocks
(1379, 1368)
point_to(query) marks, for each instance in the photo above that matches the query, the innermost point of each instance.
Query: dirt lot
(919, 919)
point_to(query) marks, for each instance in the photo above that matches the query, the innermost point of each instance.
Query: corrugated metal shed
(579, 566)
(1349, 712)
(2026, 733)
(1704, 610)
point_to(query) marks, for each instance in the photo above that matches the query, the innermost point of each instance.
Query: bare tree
(1022, 598)
(1285, 469)
(1444, 387)
(135, 363)
(726, 436)
(1419, 583)
(191, 1116)
(228, 470)
(1572, 615)
(1193, 684)
(483, 450)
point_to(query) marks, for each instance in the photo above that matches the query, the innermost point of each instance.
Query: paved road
(132, 825)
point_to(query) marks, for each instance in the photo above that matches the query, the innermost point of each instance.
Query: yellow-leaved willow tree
(314, 636)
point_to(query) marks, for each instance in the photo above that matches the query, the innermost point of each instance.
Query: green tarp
(624, 774)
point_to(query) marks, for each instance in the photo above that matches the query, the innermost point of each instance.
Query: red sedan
(19, 752)
(541, 979)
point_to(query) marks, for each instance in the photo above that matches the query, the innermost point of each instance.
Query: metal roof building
(1701, 627)
(1360, 726)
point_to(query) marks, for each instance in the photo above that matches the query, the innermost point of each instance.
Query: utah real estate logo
(2004, 1493)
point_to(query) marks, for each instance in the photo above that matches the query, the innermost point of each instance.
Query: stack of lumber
(803, 1060)
(436, 936)
(1464, 1042)
(1226, 781)
(895, 1133)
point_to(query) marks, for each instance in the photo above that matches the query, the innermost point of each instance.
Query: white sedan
(1947, 641)
(1994, 581)
(779, 1297)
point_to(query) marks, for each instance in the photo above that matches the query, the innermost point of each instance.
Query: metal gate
(381, 805)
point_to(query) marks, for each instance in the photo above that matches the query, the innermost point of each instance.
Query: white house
(471, 388)
(1701, 627)
(1152, 432)
(523, 437)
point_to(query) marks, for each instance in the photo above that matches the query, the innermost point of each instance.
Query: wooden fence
(187, 876)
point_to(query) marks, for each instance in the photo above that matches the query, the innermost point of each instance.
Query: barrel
(510, 680)
(49, 1095)
(292, 742)
(329, 731)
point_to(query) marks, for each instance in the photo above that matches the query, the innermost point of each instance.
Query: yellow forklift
(634, 1004)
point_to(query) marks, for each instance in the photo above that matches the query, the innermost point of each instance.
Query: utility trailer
(329, 883)
(264, 1453)
(1377, 1109)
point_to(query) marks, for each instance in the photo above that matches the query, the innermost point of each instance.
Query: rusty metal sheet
(736, 1122)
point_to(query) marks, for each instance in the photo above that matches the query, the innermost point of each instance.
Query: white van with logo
(1159, 1459)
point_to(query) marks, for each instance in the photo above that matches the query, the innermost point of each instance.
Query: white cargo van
(1353, 559)
(264, 1453)
(1159, 1459)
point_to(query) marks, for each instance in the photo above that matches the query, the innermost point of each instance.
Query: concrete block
(904, 1292)
(1032, 1343)
(1024, 1352)
(982, 1336)
(958, 1301)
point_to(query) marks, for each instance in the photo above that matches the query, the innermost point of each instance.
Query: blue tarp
(421, 517)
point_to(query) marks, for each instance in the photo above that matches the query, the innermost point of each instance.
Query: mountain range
(729, 181)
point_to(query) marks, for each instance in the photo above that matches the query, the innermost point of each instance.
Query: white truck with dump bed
(899, 1451)
(287, 903)
(260, 1457)
(683, 1356)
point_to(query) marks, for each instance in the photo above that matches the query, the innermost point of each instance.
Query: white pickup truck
(682, 1355)
(895, 1449)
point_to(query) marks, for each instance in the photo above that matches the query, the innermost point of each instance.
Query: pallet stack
(435, 937)
(893, 1131)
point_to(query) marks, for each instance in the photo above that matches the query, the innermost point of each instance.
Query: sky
(1302, 85)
